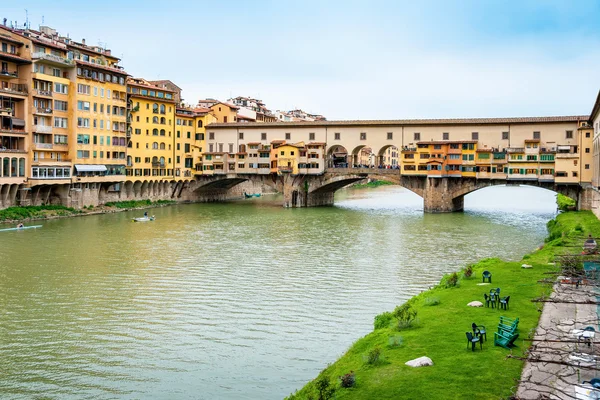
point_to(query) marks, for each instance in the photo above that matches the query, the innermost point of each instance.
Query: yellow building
(98, 110)
(151, 149)
(469, 149)
(202, 118)
(185, 140)
(53, 127)
(224, 112)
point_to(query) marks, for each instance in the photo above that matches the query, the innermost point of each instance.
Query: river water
(243, 300)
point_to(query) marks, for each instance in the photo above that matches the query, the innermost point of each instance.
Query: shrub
(324, 389)
(432, 301)
(383, 320)
(468, 272)
(578, 228)
(451, 280)
(405, 315)
(374, 356)
(348, 380)
(395, 341)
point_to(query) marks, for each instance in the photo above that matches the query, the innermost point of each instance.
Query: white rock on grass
(526, 266)
(420, 362)
(475, 304)
(483, 284)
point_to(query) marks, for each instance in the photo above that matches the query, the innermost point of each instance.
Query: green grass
(457, 373)
(137, 203)
(21, 213)
(565, 203)
(372, 184)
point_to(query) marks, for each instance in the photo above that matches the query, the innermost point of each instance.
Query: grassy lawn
(439, 333)
(372, 184)
(22, 213)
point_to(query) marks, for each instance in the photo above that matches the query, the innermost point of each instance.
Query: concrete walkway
(560, 359)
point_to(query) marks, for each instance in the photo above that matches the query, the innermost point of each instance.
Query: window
(241, 135)
(569, 135)
(445, 136)
(187, 147)
(417, 136)
(83, 105)
(587, 134)
(363, 136)
(95, 91)
(536, 135)
(263, 136)
(61, 88)
(288, 136)
(83, 122)
(60, 122)
(311, 136)
(390, 135)
(83, 89)
(337, 135)
(211, 136)
(587, 149)
(474, 135)
(587, 166)
(83, 154)
(162, 132)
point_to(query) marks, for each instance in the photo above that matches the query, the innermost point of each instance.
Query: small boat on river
(21, 228)
(143, 219)
(249, 196)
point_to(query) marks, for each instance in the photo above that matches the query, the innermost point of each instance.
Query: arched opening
(155, 108)
(388, 157)
(519, 199)
(200, 124)
(155, 146)
(155, 120)
(356, 155)
(163, 120)
(337, 157)
(162, 132)
(162, 108)
(155, 132)
(162, 146)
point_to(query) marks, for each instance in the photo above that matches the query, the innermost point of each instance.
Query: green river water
(244, 300)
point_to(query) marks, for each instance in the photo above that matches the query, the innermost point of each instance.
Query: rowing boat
(21, 228)
(143, 219)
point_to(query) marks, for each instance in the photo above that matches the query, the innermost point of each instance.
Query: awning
(18, 122)
(90, 168)
(564, 147)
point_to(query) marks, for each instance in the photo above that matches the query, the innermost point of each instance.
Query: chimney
(83, 41)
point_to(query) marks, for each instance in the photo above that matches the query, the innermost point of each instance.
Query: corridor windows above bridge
(363, 136)
(504, 135)
(211, 136)
(241, 135)
(390, 135)
(536, 135)
(337, 136)
(263, 136)
(288, 136)
(311, 136)
(417, 136)
(446, 136)
(474, 135)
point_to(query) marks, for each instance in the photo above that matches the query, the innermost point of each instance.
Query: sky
(352, 59)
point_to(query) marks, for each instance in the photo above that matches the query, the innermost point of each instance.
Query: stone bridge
(439, 194)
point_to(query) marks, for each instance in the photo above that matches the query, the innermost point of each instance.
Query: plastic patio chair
(486, 275)
(472, 340)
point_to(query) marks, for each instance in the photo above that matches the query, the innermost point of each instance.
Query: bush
(578, 228)
(468, 272)
(432, 301)
(405, 315)
(395, 341)
(450, 280)
(565, 203)
(374, 356)
(383, 320)
(324, 389)
(348, 380)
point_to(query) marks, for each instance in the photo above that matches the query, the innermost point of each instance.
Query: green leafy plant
(432, 301)
(383, 320)
(405, 314)
(395, 341)
(324, 389)
(374, 356)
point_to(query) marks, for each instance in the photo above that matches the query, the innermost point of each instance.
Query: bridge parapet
(363, 171)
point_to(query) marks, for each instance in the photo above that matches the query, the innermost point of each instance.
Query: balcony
(42, 146)
(53, 59)
(42, 128)
(515, 149)
(157, 164)
(14, 89)
(43, 93)
(7, 75)
(43, 111)
(13, 130)
(558, 156)
(285, 169)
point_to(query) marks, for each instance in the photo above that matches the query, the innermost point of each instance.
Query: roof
(163, 81)
(87, 48)
(413, 122)
(225, 104)
(104, 67)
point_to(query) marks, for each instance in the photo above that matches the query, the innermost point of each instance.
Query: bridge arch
(337, 157)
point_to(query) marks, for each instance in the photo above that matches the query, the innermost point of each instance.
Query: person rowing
(20, 226)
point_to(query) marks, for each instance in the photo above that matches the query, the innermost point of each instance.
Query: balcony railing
(157, 165)
(53, 58)
(14, 88)
(6, 129)
(43, 110)
(47, 146)
(9, 74)
(42, 128)
(47, 93)
(6, 150)
(285, 169)
(515, 149)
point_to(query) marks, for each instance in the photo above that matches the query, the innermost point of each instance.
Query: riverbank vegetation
(16, 214)
(35, 212)
(434, 323)
(371, 184)
(565, 203)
